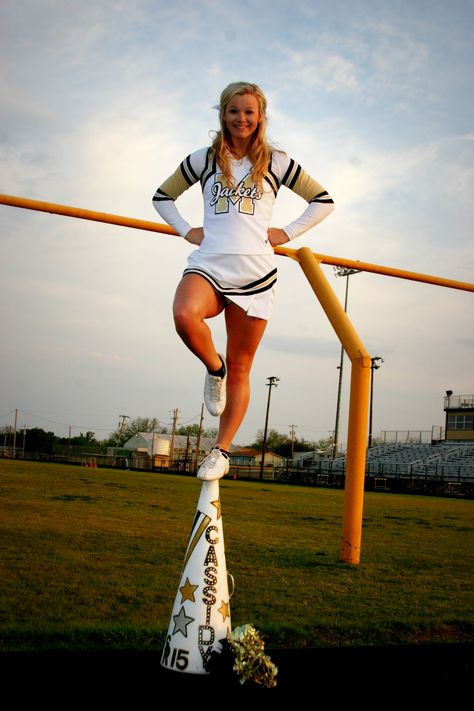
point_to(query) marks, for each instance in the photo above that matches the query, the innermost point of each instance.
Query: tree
(281, 444)
(150, 424)
(193, 430)
(138, 424)
(325, 447)
(6, 433)
(82, 439)
(38, 440)
(276, 442)
(79, 440)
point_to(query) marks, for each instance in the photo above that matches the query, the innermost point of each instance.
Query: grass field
(90, 559)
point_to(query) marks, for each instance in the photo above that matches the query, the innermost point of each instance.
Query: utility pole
(14, 433)
(292, 434)
(121, 428)
(187, 450)
(198, 442)
(122, 423)
(175, 421)
(153, 431)
(272, 382)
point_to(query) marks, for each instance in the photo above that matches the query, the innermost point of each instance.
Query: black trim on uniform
(273, 174)
(288, 172)
(210, 167)
(245, 290)
(295, 177)
(320, 196)
(188, 171)
(270, 179)
(259, 281)
(161, 196)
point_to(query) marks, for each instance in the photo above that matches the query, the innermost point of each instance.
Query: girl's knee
(184, 320)
(238, 369)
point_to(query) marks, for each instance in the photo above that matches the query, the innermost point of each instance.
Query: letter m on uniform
(242, 195)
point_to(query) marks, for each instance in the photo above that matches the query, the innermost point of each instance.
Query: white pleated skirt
(247, 280)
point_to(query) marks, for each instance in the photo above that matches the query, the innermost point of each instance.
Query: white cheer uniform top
(236, 218)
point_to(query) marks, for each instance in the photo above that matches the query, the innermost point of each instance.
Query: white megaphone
(200, 620)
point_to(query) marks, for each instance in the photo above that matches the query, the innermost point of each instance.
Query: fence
(434, 480)
(409, 436)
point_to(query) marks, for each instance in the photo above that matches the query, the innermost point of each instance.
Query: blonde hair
(259, 150)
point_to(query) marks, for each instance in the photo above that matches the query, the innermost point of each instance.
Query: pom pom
(251, 662)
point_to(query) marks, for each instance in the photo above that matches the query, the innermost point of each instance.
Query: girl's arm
(320, 203)
(186, 175)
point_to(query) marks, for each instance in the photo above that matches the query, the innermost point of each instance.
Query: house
(159, 446)
(246, 456)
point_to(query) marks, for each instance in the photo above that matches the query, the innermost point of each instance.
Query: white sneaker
(215, 392)
(214, 466)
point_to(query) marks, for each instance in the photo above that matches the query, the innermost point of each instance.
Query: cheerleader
(233, 269)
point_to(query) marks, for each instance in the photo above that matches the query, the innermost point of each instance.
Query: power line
(82, 426)
(65, 424)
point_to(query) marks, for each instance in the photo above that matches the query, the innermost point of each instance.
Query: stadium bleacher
(449, 461)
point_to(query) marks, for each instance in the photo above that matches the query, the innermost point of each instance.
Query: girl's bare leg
(195, 301)
(244, 334)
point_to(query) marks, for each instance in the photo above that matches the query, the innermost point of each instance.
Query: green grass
(91, 559)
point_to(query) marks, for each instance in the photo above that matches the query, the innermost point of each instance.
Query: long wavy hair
(259, 149)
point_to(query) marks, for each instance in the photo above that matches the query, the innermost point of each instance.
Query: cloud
(100, 102)
(301, 347)
(370, 60)
(328, 71)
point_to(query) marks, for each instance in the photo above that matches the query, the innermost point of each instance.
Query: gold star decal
(217, 504)
(187, 591)
(224, 610)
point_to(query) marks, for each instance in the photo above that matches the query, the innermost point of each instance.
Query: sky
(99, 103)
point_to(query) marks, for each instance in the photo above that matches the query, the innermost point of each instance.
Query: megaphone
(200, 621)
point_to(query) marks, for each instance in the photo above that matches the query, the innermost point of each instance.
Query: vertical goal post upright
(310, 263)
(358, 404)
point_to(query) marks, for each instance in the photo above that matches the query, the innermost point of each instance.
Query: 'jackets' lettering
(244, 193)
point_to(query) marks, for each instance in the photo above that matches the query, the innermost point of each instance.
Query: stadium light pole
(272, 382)
(344, 272)
(374, 365)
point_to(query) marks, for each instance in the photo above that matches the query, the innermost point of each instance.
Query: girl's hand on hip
(195, 235)
(277, 236)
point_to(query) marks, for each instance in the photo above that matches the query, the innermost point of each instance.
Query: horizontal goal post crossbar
(81, 213)
(148, 225)
(379, 269)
